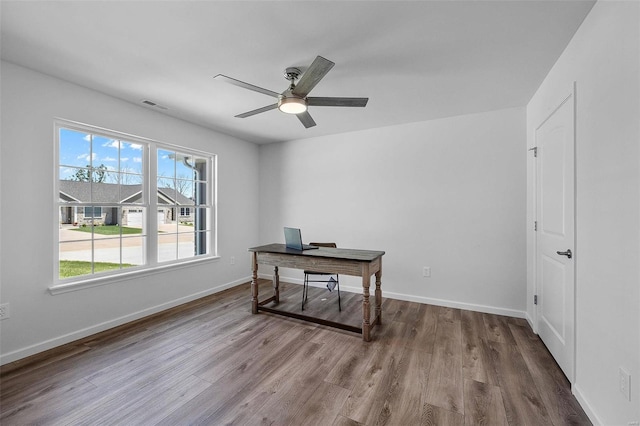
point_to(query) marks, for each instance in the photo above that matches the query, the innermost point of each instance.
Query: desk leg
(379, 297)
(366, 310)
(254, 283)
(276, 285)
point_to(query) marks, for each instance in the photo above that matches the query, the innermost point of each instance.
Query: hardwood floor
(212, 362)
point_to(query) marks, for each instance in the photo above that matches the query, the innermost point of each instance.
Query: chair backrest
(332, 245)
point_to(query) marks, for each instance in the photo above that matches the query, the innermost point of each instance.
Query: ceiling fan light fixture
(292, 105)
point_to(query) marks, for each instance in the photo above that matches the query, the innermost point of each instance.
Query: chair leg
(338, 283)
(304, 290)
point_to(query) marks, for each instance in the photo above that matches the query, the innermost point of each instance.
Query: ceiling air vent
(153, 104)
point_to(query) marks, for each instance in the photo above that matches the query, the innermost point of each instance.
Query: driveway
(76, 245)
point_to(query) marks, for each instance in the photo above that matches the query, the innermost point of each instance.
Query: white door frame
(570, 94)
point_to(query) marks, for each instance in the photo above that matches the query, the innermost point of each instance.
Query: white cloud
(136, 146)
(87, 157)
(87, 138)
(137, 159)
(110, 159)
(111, 143)
(124, 159)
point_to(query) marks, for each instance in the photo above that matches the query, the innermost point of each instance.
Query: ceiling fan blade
(339, 102)
(318, 68)
(257, 111)
(246, 85)
(306, 119)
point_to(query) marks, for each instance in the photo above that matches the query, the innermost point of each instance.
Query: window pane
(72, 190)
(75, 258)
(166, 164)
(74, 148)
(131, 157)
(105, 192)
(130, 179)
(185, 194)
(76, 174)
(165, 223)
(106, 254)
(166, 191)
(133, 219)
(101, 174)
(202, 239)
(201, 196)
(184, 166)
(201, 165)
(201, 218)
(186, 245)
(167, 247)
(132, 251)
(107, 152)
(163, 184)
(74, 231)
(131, 189)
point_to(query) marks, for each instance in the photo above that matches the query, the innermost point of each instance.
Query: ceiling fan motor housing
(292, 73)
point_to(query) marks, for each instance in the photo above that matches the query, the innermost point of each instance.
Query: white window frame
(149, 205)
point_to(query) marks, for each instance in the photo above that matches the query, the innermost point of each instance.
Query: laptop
(293, 239)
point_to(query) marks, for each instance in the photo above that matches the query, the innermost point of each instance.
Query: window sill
(125, 276)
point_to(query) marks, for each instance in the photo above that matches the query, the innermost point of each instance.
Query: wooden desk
(361, 263)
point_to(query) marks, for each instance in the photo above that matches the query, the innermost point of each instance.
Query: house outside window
(105, 201)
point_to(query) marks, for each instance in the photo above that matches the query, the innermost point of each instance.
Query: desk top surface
(334, 253)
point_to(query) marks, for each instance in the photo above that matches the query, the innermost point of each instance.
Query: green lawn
(109, 230)
(73, 268)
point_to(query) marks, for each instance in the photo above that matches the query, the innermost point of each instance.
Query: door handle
(565, 253)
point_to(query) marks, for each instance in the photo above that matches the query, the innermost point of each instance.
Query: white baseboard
(85, 332)
(420, 299)
(459, 305)
(531, 323)
(584, 403)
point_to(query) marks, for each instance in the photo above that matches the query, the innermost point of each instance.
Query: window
(93, 212)
(105, 196)
(182, 182)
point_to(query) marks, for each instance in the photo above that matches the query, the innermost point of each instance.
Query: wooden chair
(326, 277)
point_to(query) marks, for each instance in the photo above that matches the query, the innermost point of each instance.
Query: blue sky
(79, 149)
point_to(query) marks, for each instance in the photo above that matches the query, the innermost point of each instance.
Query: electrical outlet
(426, 271)
(232, 260)
(625, 383)
(4, 311)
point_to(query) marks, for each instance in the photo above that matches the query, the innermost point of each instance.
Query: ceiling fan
(294, 100)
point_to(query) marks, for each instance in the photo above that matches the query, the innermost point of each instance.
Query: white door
(555, 238)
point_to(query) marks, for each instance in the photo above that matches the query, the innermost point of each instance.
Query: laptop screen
(293, 238)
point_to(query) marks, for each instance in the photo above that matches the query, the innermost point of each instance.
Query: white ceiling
(415, 60)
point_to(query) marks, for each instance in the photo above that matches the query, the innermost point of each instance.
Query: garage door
(134, 219)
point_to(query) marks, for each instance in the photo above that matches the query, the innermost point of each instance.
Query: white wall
(449, 194)
(30, 101)
(603, 59)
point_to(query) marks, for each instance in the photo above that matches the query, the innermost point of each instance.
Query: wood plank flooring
(211, 362)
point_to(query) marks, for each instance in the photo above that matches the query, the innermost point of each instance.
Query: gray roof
(87, 192)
